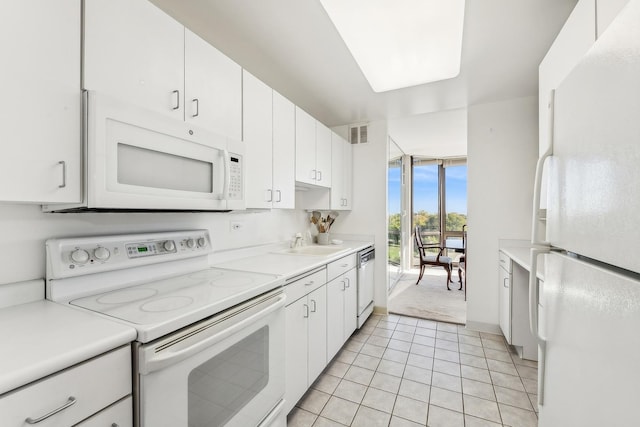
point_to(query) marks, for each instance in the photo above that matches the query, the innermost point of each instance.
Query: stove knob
(102, 254)
(202, 242)
(80, 256)
(169, 245)
(191, 243)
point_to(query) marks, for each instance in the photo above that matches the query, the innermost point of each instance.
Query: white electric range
(213, 337)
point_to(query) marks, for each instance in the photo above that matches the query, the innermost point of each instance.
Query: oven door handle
(168, 357)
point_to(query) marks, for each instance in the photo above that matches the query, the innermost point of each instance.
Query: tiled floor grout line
(368, 331)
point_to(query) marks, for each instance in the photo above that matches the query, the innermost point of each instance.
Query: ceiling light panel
(401, 43)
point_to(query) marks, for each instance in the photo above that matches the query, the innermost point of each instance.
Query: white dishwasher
(366, 282)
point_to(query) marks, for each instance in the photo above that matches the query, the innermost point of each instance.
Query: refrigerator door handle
(537, 183)
(533, 318)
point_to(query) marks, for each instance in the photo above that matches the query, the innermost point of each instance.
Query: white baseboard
(483, 327)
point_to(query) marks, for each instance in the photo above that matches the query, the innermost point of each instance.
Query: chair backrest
(418, 238)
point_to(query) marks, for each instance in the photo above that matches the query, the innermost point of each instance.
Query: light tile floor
(401, 371)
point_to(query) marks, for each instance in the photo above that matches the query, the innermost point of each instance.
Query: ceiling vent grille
(359, 134)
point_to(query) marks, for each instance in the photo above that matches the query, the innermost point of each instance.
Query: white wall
(435, 135)
(24, 228)
(369, 213)
(502, 152)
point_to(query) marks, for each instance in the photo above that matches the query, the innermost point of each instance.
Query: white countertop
(521, 255)
(42, 337)
(290, 265)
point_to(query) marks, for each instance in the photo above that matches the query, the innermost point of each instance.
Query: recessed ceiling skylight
(401, 43)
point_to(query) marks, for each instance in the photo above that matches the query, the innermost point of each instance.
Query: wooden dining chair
(437, 260)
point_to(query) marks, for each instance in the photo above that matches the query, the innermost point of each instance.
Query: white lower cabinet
(74, 395)
(505, 296)
(342, 306)
(120, 414)
(306, 334)
(342, 302)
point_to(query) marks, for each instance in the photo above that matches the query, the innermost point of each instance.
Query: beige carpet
(429, 299)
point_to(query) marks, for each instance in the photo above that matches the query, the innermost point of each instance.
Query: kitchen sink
(315, 250)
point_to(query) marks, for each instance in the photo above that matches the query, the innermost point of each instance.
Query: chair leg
(421, 273)
(448, 268)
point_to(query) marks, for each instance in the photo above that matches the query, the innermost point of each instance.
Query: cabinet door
(323, 155)
(119, 414)
(607, 11)
(134, 51)
(350, 304)
(296, 345)
(505, 303)
(284, 148)
(213, 88)
(335, 316)
(337, 166)
(341, 173)
(257, 132)
(317, 332)
(576, 37)
(347, 180)
(306, 171)
(40, 130)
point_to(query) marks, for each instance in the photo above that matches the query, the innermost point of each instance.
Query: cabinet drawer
(301, 287)
(86, 388)
(341, 266)
(505, 261)
(119, 414)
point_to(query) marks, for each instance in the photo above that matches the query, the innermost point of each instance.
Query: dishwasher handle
(366, 256)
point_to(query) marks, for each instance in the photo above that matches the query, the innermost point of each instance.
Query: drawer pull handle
(344, 265)
(71, 401)
(310, 283)
(177, 104)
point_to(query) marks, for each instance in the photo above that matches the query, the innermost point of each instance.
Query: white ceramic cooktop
(162, 306)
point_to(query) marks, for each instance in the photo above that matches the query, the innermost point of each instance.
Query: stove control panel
(87, 255)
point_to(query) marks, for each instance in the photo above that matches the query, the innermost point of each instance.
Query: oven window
(150, 168)
(222, 386)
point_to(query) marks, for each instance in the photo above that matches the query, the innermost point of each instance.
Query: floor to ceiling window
(439, 199)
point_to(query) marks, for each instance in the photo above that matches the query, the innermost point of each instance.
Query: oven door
(138, 159)
(227, 370)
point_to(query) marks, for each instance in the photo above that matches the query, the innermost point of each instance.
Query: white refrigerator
(589, 304)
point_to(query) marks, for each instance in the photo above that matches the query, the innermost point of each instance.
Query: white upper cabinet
(269, 135)
(313, 150)
(284, 149)
(305, 147)
(40, 131)
(341, 173)
(323, 155)
(607, 10)
(576, 37)
(213, 88)
(257, 112)
(134, 51)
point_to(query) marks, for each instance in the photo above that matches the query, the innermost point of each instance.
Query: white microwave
(140, 160)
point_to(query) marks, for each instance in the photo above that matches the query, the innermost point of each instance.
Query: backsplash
(25, 228)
